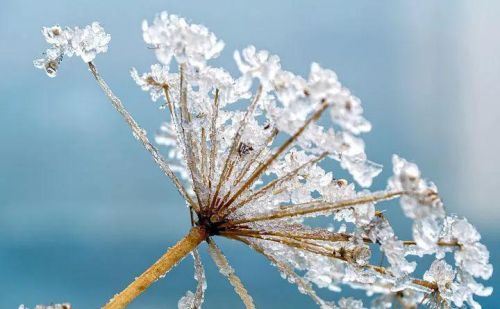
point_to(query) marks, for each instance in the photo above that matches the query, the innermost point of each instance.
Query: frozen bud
(50, 63)
(258, 64)
(90, 41)
(55, 35)
(440, 273)
(173, 36)
(155, 81)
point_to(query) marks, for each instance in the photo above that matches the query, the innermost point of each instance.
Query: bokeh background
(83, 209)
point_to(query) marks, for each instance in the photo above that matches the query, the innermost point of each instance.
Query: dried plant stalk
(173, 256)
(227, 157)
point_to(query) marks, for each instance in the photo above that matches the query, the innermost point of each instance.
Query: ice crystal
(246, 153)
(194, 300)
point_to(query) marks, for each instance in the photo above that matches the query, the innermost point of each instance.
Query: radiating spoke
(226, 269)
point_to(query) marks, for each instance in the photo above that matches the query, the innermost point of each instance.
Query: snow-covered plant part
(244, 153)
(85, 43)
(53, 306)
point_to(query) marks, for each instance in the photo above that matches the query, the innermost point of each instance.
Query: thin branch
(439, 243)
(426, 284)
(213, 144)
(140, 134)
(294, 233)
(318, 208)
(191, 146)
(381, 270)
(235, 144)
(303, 285)
(204, 157)
(315, 248)
(226, 269)
(273, 184)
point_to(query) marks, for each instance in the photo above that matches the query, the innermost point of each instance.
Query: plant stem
(173, 256)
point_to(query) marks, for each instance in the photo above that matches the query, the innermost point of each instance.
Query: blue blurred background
(83, 209)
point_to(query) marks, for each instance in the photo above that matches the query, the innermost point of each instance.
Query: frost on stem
(195, 300)
(226, 270)
(246, 153)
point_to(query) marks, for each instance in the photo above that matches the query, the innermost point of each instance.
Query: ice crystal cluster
(54, 306)
(246, 153)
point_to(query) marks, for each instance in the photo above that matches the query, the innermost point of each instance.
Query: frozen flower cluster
(173, 36)
(246, 153)
(85, 43)
(54, 306)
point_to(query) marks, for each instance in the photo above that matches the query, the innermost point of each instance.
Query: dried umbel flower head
(245, 153)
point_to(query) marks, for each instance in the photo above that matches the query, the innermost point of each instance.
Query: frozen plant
(245, 152)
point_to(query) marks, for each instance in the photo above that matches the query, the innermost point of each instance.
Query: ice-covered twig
(226, 269)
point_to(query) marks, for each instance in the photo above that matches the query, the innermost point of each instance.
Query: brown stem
(439, 243)
(319, 206)
(173, 256)
(272, 184)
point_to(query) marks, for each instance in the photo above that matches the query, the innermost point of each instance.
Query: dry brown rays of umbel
(212, 217)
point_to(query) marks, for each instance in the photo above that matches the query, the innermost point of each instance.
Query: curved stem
(173, 256)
